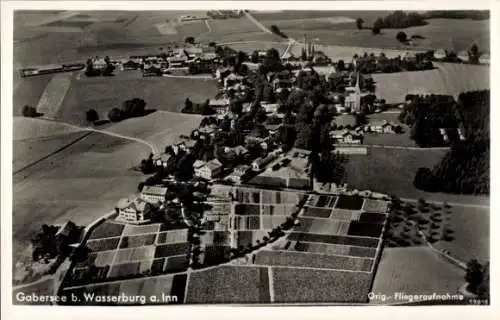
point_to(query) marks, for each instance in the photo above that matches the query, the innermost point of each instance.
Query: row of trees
(131, 108)
(278, 32)
(465, 168)
(368, 64)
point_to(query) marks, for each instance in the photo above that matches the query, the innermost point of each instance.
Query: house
(410, 56)
(439, 54)
(484, 58)
(239, 173)
(444, 134)
(238, 150)
(382, 127)
(208, 170)
(154, 194)
(232, 79)
(136, 211)
(99, 63)
(346, 136)
(129, 65)
(165, 160)
(270, 107)
(259, 163)
(463, 56)
(221, 106)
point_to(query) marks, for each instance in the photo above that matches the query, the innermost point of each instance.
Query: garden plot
(316, 212)
(173, 236)
(137, 241)
(349, 202)
(250, 238)
(379, 206)
(174, 249)
(372, 217)
(124, 270)
(176, 263)
(332, 239)
(247, 195)
(325, 201)
(103, 244)
(322, 226)
(229, 285)
(218, 238)
(247, 222)
(278, 209)
(328, 249)
(318, 286)
(134, 254)
(135, 230)
(345, 215)
(280, 197)
(312, 260)
(247, 209)
(104, 258)
(214, 255)
(107, 230)
(365, 229)
(270, 222)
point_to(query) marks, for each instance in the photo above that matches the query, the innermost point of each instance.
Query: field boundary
(318, 253)
(256, 265)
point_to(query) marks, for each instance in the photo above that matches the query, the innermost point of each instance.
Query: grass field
(369, 172)
(319, 285)
(471, 228)
(103, 94)
(69, 185)
(229, 285)
(250, 47)
(447, 78)
(415, 270)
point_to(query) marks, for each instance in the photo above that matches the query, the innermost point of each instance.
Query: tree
(29, 111)
(189, 40)
(359, 23)
(188, 105)
(360, 119)
(377, 26)
(340, 65)
(236, 106)
(115, 115)
(212, 44)
(254, 57)
(401, 37)
(92, 115)
(134, 108)
(474, 275)
(89, 68)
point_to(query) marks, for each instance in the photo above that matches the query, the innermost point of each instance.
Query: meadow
(103, 94)
(471, 236)
(447, 78)
(415, 270)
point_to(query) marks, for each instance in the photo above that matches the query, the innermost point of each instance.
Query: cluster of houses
(178, 61)
(464, 56)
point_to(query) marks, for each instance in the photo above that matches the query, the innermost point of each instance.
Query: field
(250, 47)
(103, 94)
(369, 172)
(332, 239)
(151, 287)
(338, 27)
(447, 78)
(313, 260)
(229, 285)
(326, 249)
(319, 285)
(415, 271)
(471, 235)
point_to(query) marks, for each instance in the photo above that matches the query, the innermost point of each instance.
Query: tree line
(465, 169)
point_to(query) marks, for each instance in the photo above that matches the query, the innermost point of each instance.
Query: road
(262, 27)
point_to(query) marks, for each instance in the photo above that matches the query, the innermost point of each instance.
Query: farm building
(463, 56)
(154, 194)
(209, 170)
(484, 58)
(346, 136)
(382, 127)
(232, 79)
(260, 163)
(129, 65)
(439, 54)
(99, 63)
(221, 106)
(239, 173)
(135, 211)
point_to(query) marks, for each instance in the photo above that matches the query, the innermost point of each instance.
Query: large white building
(154, 194)
(136, 211)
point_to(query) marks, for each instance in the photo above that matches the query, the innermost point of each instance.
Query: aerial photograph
(247, 157)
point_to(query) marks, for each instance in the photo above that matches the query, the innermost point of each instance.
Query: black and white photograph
(247, 157)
